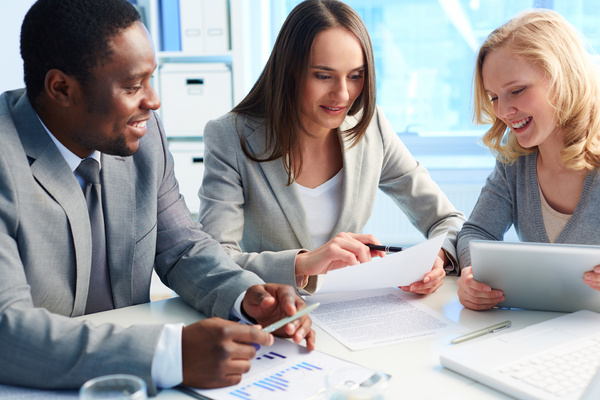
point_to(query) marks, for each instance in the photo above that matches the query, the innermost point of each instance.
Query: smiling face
(520, 95)
(111, 111)
(335, 79)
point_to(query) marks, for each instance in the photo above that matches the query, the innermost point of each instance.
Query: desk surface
(415, 366)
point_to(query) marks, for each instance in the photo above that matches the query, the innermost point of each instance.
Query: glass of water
(356, 383)
(114, 387)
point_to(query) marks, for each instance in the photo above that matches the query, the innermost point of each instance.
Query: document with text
(398, 269)
(372, 318)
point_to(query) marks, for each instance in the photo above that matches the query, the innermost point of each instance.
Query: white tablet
(537, 276)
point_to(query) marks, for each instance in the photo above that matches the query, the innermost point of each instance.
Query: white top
(322, 206)
(554, 222)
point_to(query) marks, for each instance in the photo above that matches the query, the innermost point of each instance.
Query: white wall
(11, 65)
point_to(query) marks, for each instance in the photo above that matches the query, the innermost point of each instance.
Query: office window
(425, 53)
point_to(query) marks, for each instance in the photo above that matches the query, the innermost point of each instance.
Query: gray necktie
(100, 293)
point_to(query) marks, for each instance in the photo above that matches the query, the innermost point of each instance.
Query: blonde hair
(545, 39)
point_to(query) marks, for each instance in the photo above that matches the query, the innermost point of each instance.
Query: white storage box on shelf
(192, 94)
(204, 26)
(189, 170)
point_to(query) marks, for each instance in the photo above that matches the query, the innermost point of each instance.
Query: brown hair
(276, 96)
(545, 39)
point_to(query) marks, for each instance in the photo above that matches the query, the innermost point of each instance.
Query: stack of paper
(362, 307)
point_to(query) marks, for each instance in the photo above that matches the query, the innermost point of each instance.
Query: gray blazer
(511, 196)
(45, 255)
(260, 221)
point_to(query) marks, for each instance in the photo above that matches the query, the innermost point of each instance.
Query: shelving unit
(236, 57)
(250, 27)
(188, 151)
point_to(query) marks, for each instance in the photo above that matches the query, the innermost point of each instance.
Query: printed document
(372, 318)
(398, 269)
(284, 371)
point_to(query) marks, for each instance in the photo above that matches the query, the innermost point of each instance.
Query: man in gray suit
(88, 66)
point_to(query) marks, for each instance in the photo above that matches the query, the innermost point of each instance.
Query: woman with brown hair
(291, 173)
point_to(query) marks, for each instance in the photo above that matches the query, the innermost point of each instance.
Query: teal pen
(284, 321)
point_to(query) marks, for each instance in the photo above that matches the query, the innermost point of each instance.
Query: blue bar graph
(270, 356)
(278, 382)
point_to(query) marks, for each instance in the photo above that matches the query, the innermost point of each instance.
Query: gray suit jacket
(249, 208)
(45, 255)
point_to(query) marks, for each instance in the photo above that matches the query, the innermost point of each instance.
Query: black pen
(387, 249)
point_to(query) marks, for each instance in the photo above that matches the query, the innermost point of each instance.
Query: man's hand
(216, 352)
(270, 302)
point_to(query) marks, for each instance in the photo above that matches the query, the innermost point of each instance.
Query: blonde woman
(538, 87)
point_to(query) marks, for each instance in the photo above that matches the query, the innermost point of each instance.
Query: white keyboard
(561, 371)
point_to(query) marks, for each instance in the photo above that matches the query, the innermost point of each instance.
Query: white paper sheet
(398, 269)
(378, 317)
(284, 371)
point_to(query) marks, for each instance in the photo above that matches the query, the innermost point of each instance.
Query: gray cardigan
(511, 197)
(260, 220)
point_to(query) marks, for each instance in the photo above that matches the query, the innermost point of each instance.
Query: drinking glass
(114, 387)
(356, 383)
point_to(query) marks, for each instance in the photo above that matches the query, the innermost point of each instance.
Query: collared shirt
(167, 368)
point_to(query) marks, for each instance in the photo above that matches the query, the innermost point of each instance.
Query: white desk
(414, 366)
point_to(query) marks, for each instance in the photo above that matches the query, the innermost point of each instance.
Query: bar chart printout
(283, 371)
